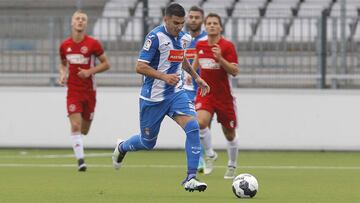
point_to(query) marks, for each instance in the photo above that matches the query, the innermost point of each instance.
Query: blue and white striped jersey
(164, 53)
(191, 49)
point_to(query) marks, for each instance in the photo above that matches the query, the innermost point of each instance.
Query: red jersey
(80, 55)
(212, 72)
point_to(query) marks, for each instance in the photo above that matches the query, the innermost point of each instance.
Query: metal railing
(269, 56)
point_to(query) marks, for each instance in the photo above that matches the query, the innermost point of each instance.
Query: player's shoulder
(185, 36)
(202, 42)
(226, 42)
(92, 39)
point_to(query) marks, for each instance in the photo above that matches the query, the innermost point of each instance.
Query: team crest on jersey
(72, 107)
(84, 50)
(147, 44)
(184, 44)
(69, 49)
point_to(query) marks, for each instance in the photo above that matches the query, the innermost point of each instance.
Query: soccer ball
(245, 186)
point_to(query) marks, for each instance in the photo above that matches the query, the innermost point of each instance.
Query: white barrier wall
(268, 119)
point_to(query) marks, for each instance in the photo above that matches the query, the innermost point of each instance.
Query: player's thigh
(85, 126)
(151, 116)
(204, 118)
(182, 110)
(226, 115)
(229, 133)
(89, 104)
(75, 122)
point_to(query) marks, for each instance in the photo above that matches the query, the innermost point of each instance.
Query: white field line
(17, 165)
(55, 156)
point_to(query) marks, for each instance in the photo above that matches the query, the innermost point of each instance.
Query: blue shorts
(153, 113)
(191, 94)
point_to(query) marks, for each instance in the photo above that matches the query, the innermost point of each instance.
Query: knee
(75, 126)
(84, 131)
(192, 125)
(202, 124)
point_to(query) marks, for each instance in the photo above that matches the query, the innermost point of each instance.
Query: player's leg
(232, 150)
(151, 116)
(227, 118)
(77, 141)
(75, 109)
(183, 112)
(204, 118)
(192, 94)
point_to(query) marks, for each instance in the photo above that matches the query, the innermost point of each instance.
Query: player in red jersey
(218, 62)
(78, 53)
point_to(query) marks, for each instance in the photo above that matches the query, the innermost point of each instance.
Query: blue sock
(192, 147)
(132, 144)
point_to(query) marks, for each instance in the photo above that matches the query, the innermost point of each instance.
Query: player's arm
(204, 87)
(144, 69)
(62, 72)
(230, 68)
(103, 66)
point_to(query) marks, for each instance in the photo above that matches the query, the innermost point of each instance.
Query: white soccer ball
(245, 186)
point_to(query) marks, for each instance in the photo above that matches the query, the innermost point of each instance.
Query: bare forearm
(146, 70)
(229, 67)
(100, 68)
(189, 69)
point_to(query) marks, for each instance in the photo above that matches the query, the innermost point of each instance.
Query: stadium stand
(272, 36)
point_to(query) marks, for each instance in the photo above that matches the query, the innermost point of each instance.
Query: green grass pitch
(154, 176)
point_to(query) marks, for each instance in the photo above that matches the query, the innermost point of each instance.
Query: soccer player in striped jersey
(78, 53)
(161, 62)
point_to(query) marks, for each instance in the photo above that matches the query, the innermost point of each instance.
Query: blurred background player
(78, 54)
(195, 20)
(217, 59)
(161, 61)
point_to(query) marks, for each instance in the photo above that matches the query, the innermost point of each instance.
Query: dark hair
(175, 9)
(215, 16)
(198, 9)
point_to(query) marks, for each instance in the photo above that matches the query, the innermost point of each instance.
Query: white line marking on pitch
(183, 166)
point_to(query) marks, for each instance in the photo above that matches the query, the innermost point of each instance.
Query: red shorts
(225, 109)
(81, 102)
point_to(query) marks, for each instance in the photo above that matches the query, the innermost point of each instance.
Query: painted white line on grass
(181, 166)
(55, 156)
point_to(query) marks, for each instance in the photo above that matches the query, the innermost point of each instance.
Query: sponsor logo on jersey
(84, 50)
(209, 63)
(176, 55)
(147, 44)
(77, 59)
(190, 53)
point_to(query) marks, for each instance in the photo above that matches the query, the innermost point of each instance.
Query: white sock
(78, 145)
(205, 136)
(232, 150)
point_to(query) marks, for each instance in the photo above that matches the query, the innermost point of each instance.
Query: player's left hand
(217, 52)
(204, 87)
(83, 73)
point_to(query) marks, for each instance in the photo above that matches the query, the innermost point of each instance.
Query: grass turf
(155, 176)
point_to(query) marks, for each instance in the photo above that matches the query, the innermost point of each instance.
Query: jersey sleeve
(149, 49)
(98, 49)
(62, 53)
(230, 54)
